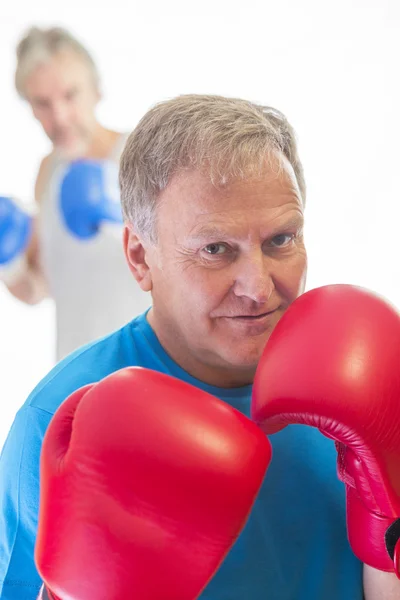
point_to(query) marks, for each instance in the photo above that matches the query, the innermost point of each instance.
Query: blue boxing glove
(15, 230)
(90, 197)
(15, 234)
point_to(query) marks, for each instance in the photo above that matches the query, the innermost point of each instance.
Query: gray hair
(225, 137)
(38, 46)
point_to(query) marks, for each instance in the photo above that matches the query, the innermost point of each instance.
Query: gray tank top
(94, 291)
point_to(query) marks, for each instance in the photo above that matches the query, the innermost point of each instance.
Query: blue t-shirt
(294, 545)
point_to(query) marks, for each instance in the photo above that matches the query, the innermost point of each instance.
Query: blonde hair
(38, 46)
(225, 137)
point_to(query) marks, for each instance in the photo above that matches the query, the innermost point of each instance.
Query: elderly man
(87, 278)
(213, 195)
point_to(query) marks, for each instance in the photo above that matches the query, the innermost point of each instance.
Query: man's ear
(98, 92)
(135, 253)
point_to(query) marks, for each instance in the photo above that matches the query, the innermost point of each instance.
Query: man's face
(63, 98)
(227, 264)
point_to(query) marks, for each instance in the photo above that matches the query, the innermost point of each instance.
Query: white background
(332, 67)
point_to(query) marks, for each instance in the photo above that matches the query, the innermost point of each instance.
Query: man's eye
(71, 94)
(282, 239)
(41, 104)
(215, 249)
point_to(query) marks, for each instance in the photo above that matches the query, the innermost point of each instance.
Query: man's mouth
(251, 317)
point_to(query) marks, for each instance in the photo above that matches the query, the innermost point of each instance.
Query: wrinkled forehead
(192, 197)
(61, 70)
(219, 175)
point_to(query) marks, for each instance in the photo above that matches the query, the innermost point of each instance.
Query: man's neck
(102, 143)
(99, 146)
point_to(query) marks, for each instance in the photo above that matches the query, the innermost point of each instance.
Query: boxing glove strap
(392, 536)
(373, 537)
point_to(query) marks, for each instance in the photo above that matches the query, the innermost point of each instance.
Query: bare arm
(379, 585)
(31, 286)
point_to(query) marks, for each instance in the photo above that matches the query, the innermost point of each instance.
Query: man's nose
(253, 277)
(60, 114)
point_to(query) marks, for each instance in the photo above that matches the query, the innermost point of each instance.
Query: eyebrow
(211, 231)
(39, 99)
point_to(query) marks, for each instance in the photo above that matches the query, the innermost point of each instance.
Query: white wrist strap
(14, 270)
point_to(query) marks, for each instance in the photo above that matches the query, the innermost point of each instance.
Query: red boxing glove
(333, 362)
(146, 482)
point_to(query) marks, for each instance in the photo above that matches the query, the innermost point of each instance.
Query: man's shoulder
(87, 365)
